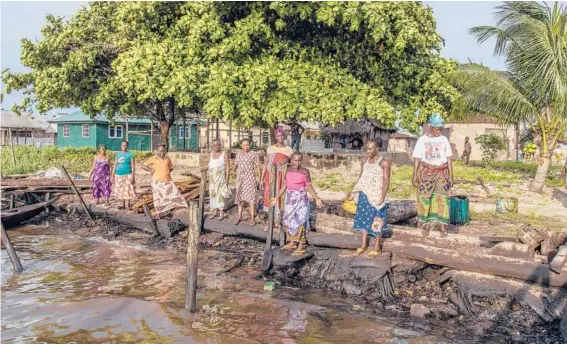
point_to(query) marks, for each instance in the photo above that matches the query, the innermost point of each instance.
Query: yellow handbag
(349, 206)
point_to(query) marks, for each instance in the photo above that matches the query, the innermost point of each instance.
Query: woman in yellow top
(166, 195)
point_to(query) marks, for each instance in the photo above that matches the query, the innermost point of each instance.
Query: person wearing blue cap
(433, 176)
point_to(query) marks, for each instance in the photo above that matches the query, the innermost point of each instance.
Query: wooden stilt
(192, 254)
(202, 199)
(47, 197)
(12, 201)
(11, 252)
(87, 211)
(267, 258)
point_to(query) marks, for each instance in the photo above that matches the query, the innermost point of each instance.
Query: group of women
(166, 196)
(122, 174)
(433, 178)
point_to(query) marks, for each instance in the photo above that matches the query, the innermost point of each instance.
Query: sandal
(236, 222)
(374, 253)
(212, 215)
(221, 217)
(289, 246)
(359, 251)
(252, 223)
(298, 252)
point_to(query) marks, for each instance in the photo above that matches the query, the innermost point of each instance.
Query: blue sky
(21, 19)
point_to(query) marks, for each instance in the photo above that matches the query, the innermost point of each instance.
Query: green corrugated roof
(80, 117)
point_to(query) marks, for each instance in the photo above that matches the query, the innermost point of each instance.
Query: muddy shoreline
(419, 289)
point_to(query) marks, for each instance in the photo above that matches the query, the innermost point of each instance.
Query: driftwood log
(456, 259)
(332, 224)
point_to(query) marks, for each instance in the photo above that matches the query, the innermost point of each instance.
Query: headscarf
(279, 132)
(436, 120)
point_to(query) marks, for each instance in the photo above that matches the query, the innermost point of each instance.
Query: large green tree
(243, 61)
(533, 39)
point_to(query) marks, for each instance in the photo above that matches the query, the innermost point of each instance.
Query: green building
(79, 130)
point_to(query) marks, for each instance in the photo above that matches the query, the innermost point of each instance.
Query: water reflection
(92, 291)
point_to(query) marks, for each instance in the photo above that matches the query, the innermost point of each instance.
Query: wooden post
(87, 211)
(280, 217)
(47, 197)
(152, 219)
(202, 189)
(11, 252)
(267, 258)
(207, 131)
(230, 135)
(184, 133)
(192, 253)
(12, 201)
(12, 148)
(151, 135)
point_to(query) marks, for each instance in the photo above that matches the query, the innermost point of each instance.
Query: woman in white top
(219, 167)
(433, 177)
(371, 202)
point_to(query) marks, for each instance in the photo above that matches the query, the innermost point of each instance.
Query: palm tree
(532, 37)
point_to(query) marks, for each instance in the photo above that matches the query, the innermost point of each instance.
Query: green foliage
(271, 61)
(490, 144)
(31, 159)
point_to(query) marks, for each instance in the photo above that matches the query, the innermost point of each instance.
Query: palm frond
(492, 94)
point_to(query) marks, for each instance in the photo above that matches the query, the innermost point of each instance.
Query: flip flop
(359, 251)
(374, 254)
(236, 222)
(298, 252)
(289, 247)
(221, 217)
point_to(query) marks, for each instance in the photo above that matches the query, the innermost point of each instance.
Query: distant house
(402, 142)
(474, 126)
(79, 130)
(24, 129)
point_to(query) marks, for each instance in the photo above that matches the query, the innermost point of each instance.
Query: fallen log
(529, 236)
(399, 211)
(461, 259)
(559, 259)
(546, 302)
(329, 224)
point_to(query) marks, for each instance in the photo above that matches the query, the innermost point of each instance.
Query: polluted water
(84, 290)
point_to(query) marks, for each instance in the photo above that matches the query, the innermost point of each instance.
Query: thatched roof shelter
(342, 134)
(362, 126)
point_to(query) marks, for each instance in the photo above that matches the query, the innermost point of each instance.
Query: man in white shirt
(433, 177)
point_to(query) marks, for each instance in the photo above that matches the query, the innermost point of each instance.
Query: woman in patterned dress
(124, 175)
(247, 179)
(372, 205)
(218, 180)
(100, 175)
(297, 183)
(278, 155)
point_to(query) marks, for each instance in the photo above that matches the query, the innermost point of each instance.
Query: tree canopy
(245, 61)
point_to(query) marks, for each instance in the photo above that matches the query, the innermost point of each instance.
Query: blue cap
(436, 120)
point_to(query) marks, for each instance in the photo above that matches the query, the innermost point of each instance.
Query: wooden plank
(81, 200)
(267, 257)
(152, 219)
(11, 252)
(192, 262)
(559, 259)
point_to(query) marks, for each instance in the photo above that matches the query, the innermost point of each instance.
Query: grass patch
(31, 159)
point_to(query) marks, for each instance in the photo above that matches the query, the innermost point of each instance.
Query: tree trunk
(272, 135)
(164, 131)
(541, 174)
